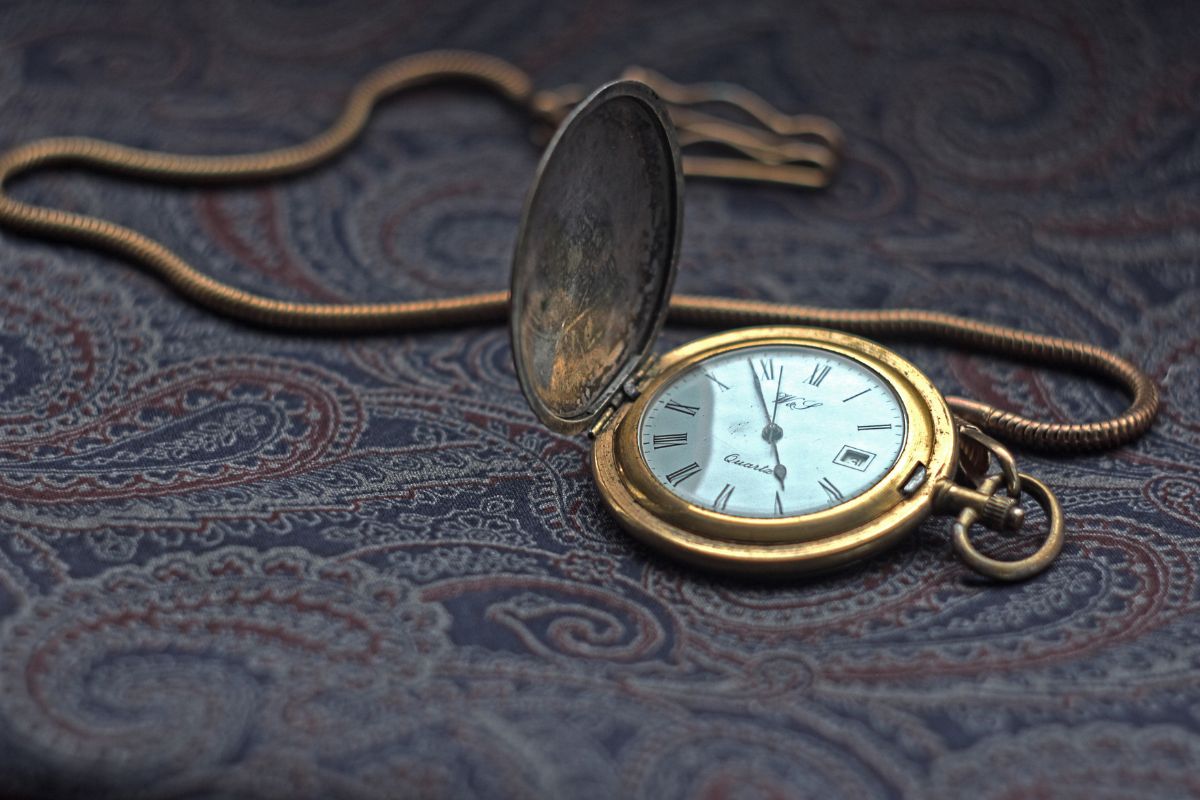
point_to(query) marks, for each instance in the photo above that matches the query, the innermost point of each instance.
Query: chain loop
(793, 150)
(1022, 568)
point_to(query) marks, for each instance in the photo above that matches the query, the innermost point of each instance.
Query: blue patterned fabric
(241, 563)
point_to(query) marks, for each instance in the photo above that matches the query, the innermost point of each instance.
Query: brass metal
(1008, 464)
(798, 150)
(595, 258)
(591, 274)
(812, 542)
(1022, 568)
(514, 85)
(974, 461)
(995, 512)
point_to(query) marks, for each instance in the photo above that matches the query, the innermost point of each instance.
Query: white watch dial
(773, 431)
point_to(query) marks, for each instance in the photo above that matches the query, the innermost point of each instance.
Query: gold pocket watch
(769, 450)
(772, 450)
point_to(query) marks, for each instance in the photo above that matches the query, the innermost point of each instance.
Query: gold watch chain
(793, 150)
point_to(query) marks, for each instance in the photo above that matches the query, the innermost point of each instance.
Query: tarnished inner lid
(596, 253)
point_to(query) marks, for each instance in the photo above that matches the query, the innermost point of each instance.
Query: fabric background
(248, 564)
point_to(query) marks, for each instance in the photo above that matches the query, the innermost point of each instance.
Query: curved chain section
(513, 84)
(969, 333)
(506, 79)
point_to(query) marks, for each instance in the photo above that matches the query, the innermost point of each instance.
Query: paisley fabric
(241, 563)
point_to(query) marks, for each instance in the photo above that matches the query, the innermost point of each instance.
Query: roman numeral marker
(723, 498)
(831, 491)
(683, 473)
(717, 381)
(682, 409)
(860, 394)
(887, 427)
(662, 440)
(818, 374)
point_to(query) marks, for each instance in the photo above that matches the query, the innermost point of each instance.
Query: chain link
(771, 155)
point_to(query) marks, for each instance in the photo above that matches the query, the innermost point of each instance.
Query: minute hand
(771, 432)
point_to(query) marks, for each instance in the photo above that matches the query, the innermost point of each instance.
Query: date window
(854, 458)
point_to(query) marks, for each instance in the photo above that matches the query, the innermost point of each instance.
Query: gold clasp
(993, 511)
(986, 506)
(790, 149)
(977, 450)
(1024, 567)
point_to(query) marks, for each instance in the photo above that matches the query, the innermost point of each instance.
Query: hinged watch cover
(596, 254)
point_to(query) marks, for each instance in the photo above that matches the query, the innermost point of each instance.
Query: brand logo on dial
(795, 403)
(735, 458)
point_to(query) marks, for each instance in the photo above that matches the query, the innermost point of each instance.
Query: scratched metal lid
(596, 252)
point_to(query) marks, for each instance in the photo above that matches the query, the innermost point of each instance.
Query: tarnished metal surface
(595, 258)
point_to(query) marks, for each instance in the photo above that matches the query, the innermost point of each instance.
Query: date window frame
(844, 459)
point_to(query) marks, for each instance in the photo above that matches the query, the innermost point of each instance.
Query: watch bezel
(817, 540)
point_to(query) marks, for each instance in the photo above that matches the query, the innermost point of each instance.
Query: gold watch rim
(819, 540)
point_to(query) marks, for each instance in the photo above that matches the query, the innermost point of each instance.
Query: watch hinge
(630, 390)
(605, 417)
(640, 374)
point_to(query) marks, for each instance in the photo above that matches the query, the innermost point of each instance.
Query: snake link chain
(793, 150)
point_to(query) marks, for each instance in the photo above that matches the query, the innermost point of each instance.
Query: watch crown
(1002, 514)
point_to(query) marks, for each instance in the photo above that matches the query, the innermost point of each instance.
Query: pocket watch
(768, 450)
(771, 450)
